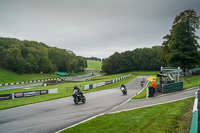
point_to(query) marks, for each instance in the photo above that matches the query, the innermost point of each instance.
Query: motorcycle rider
(141, 83)
(78, 90)
(122, 85)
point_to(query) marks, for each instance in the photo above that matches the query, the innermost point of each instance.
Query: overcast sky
(92, 27)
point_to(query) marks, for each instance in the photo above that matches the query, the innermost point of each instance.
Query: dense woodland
(180, 48)
(140, 59)
(34, 57)
(93, 58)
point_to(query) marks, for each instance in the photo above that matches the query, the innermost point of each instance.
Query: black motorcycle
(124, 91)
(77, 97)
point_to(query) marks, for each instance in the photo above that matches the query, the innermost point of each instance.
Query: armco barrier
(33, 81)
(91, 86)
(41, 80)
(173, 87)
(195, 120)
(5, 96)
(27, 94)
(86, 87)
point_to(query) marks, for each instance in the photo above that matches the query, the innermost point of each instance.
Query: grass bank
(190, 82)
(11, 77)
(170, 117)
(94, 65)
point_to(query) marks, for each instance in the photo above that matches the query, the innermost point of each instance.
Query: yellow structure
(151, 78)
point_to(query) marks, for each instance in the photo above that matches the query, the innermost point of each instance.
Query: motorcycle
(124, 91)
(77, 97)
(141, 84)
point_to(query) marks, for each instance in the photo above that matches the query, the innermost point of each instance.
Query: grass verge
(190, 82)
(143, 94)
(170, 117)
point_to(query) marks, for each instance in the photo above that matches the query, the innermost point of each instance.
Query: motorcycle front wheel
(76, 100)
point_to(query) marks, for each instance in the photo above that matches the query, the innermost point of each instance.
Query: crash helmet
(75, 87)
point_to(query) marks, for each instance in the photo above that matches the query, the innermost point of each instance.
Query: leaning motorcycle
(124, 91)
(77, 97)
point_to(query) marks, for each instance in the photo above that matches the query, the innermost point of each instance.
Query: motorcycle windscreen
(74, 92)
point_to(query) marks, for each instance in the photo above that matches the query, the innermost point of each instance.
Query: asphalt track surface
(160, 99)
(55, 115)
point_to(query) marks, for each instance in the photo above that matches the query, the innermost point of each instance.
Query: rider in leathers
(78, 90)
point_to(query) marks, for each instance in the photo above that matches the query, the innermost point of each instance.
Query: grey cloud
(92, 27)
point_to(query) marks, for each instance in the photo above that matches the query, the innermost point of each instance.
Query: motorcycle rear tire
(83, 99)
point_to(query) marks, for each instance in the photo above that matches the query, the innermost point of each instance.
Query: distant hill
(93, 58)
(94, 65)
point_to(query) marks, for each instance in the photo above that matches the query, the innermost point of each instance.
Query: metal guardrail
(33, 81)
(91, 86)
(195, 120)
(173, 87)
(42, 80)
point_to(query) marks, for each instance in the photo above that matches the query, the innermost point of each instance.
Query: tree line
(140, 59)
(180, 48)
(93, 58)
(34, 57)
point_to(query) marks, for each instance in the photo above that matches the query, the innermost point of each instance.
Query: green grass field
(166, 118)
(190, 82)
(11, 77)
(94, 65)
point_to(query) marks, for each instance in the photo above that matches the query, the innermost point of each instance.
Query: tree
(126, 62)
(81, 63)
(3, 57)
(181, 46)
(73, 65)
(31, 64)
(165, 49)
(104, 66)
(113, 63)
(15, 60)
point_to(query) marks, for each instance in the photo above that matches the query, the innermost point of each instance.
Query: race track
(54, 115)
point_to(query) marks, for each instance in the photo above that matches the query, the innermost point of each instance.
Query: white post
(178, 73)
